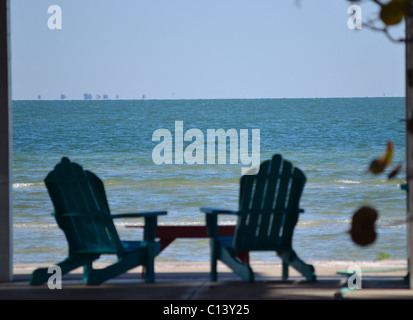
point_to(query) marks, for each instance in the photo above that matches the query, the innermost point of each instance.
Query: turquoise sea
(331, 140)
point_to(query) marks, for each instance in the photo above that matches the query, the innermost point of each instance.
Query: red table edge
(168, 233)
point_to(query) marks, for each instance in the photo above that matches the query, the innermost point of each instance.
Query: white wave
(34, 226)
(348, 181)
(22, 185)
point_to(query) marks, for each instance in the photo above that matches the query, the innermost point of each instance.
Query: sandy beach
(265, 269)
(381, 280)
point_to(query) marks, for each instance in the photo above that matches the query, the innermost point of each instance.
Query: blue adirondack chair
(82, 212)
(268, 212)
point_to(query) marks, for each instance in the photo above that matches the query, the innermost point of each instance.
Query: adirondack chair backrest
(82, 210)
(269, 206)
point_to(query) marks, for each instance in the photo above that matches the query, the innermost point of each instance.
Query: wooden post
(6, 226)
(409, 140)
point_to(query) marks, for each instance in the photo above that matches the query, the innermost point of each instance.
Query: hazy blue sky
(200, 49)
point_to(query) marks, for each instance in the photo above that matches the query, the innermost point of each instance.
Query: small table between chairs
(168, 233)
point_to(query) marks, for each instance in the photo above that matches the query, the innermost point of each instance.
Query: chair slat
(280, 202)
(256, 208)
(292, 211)
(269, 199)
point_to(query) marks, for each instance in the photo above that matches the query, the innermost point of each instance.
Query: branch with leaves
(391, 13)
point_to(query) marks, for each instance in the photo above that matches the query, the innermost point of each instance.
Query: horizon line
(177, 99)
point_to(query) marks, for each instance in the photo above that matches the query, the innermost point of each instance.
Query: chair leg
(41, 275)
(219, 252)
(244, 271)
(290, 258)
(285, 270)
(406, 279)
(213, 274)
(87, 268)
(214, 252)
(125, 263)
(144, 256)
(152, 250)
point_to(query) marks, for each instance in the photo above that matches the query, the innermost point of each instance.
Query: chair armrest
(139, 214)
(211, 215)
(213, 210)
(151, 222)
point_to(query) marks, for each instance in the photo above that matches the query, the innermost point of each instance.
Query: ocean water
(331, 140)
